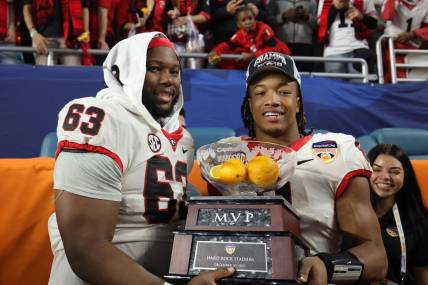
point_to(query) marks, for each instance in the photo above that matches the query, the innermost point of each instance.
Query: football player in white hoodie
(120, 172)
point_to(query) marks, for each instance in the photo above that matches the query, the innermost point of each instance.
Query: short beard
(273, 132)
(157, 113)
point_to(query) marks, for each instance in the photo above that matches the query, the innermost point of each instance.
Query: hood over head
(129, 57)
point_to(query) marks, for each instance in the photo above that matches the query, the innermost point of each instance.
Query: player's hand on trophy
(312, 271)
(210, 277)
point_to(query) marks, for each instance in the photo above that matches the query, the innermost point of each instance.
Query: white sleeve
(354, 158)
(354, 162)
(88, 174)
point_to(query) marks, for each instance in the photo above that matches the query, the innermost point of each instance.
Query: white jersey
(326, 163)
(407, 18)
(342, 37)
(144, 164)
(153, 162)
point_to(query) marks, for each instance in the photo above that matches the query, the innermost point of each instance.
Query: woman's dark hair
(247, 116)
(409, 198)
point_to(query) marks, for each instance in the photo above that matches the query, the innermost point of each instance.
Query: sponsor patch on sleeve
(325, 151)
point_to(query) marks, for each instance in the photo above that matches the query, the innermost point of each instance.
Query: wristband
(343, 266)
(33, 32)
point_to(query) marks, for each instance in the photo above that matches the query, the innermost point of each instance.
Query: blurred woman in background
(403, 219)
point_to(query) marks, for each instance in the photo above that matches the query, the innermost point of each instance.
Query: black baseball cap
(272, 61)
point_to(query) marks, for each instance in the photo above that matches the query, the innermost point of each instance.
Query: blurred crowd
(328, 28)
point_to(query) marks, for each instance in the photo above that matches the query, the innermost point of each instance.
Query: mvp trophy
(248, 228)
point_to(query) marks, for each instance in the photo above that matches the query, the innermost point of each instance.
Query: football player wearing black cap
(329, 188)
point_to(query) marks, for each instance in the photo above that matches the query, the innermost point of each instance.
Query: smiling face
(274, 103)
(388, 176)
(162, 82)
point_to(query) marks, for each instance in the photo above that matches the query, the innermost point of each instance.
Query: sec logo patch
(154, 142)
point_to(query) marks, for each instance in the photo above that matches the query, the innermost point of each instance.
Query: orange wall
(421, 170)
(26, 204)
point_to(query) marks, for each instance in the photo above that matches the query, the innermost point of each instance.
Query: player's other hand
(312, 271)
(210, 277)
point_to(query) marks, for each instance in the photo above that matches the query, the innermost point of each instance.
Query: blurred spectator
(7, 31)
(188, 24)
(223, 24)
(56, 24)
(109, 22)
(252, 39)
(407, 20)
(23, 35)
(344, 27)
(93, 20)
(142, 16)
(294, 22)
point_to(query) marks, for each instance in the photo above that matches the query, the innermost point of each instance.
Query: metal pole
(51, 58)
(363, 75)
(392, 61)
(365, 70)
(379, 59)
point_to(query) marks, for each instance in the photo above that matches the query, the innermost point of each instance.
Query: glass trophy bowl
(216, 153)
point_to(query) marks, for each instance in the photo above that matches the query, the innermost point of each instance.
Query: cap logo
(270, 59)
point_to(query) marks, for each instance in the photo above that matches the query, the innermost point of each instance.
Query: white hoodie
(152, 160)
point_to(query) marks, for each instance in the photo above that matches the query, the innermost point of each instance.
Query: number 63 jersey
(105, 151)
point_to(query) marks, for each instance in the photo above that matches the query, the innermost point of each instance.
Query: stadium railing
(393, 65)
(364, 75)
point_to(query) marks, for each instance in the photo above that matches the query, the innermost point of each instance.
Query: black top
(53, 28)
(416, 247)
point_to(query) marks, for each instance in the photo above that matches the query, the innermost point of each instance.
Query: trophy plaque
(258, 235)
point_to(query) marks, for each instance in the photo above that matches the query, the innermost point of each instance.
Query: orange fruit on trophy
(263, 171)
(231, 171)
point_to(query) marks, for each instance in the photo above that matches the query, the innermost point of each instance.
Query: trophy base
(184, 279)
(268, 257)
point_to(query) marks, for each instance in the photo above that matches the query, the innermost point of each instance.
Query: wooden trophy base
(262, 258)
(258, 236)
